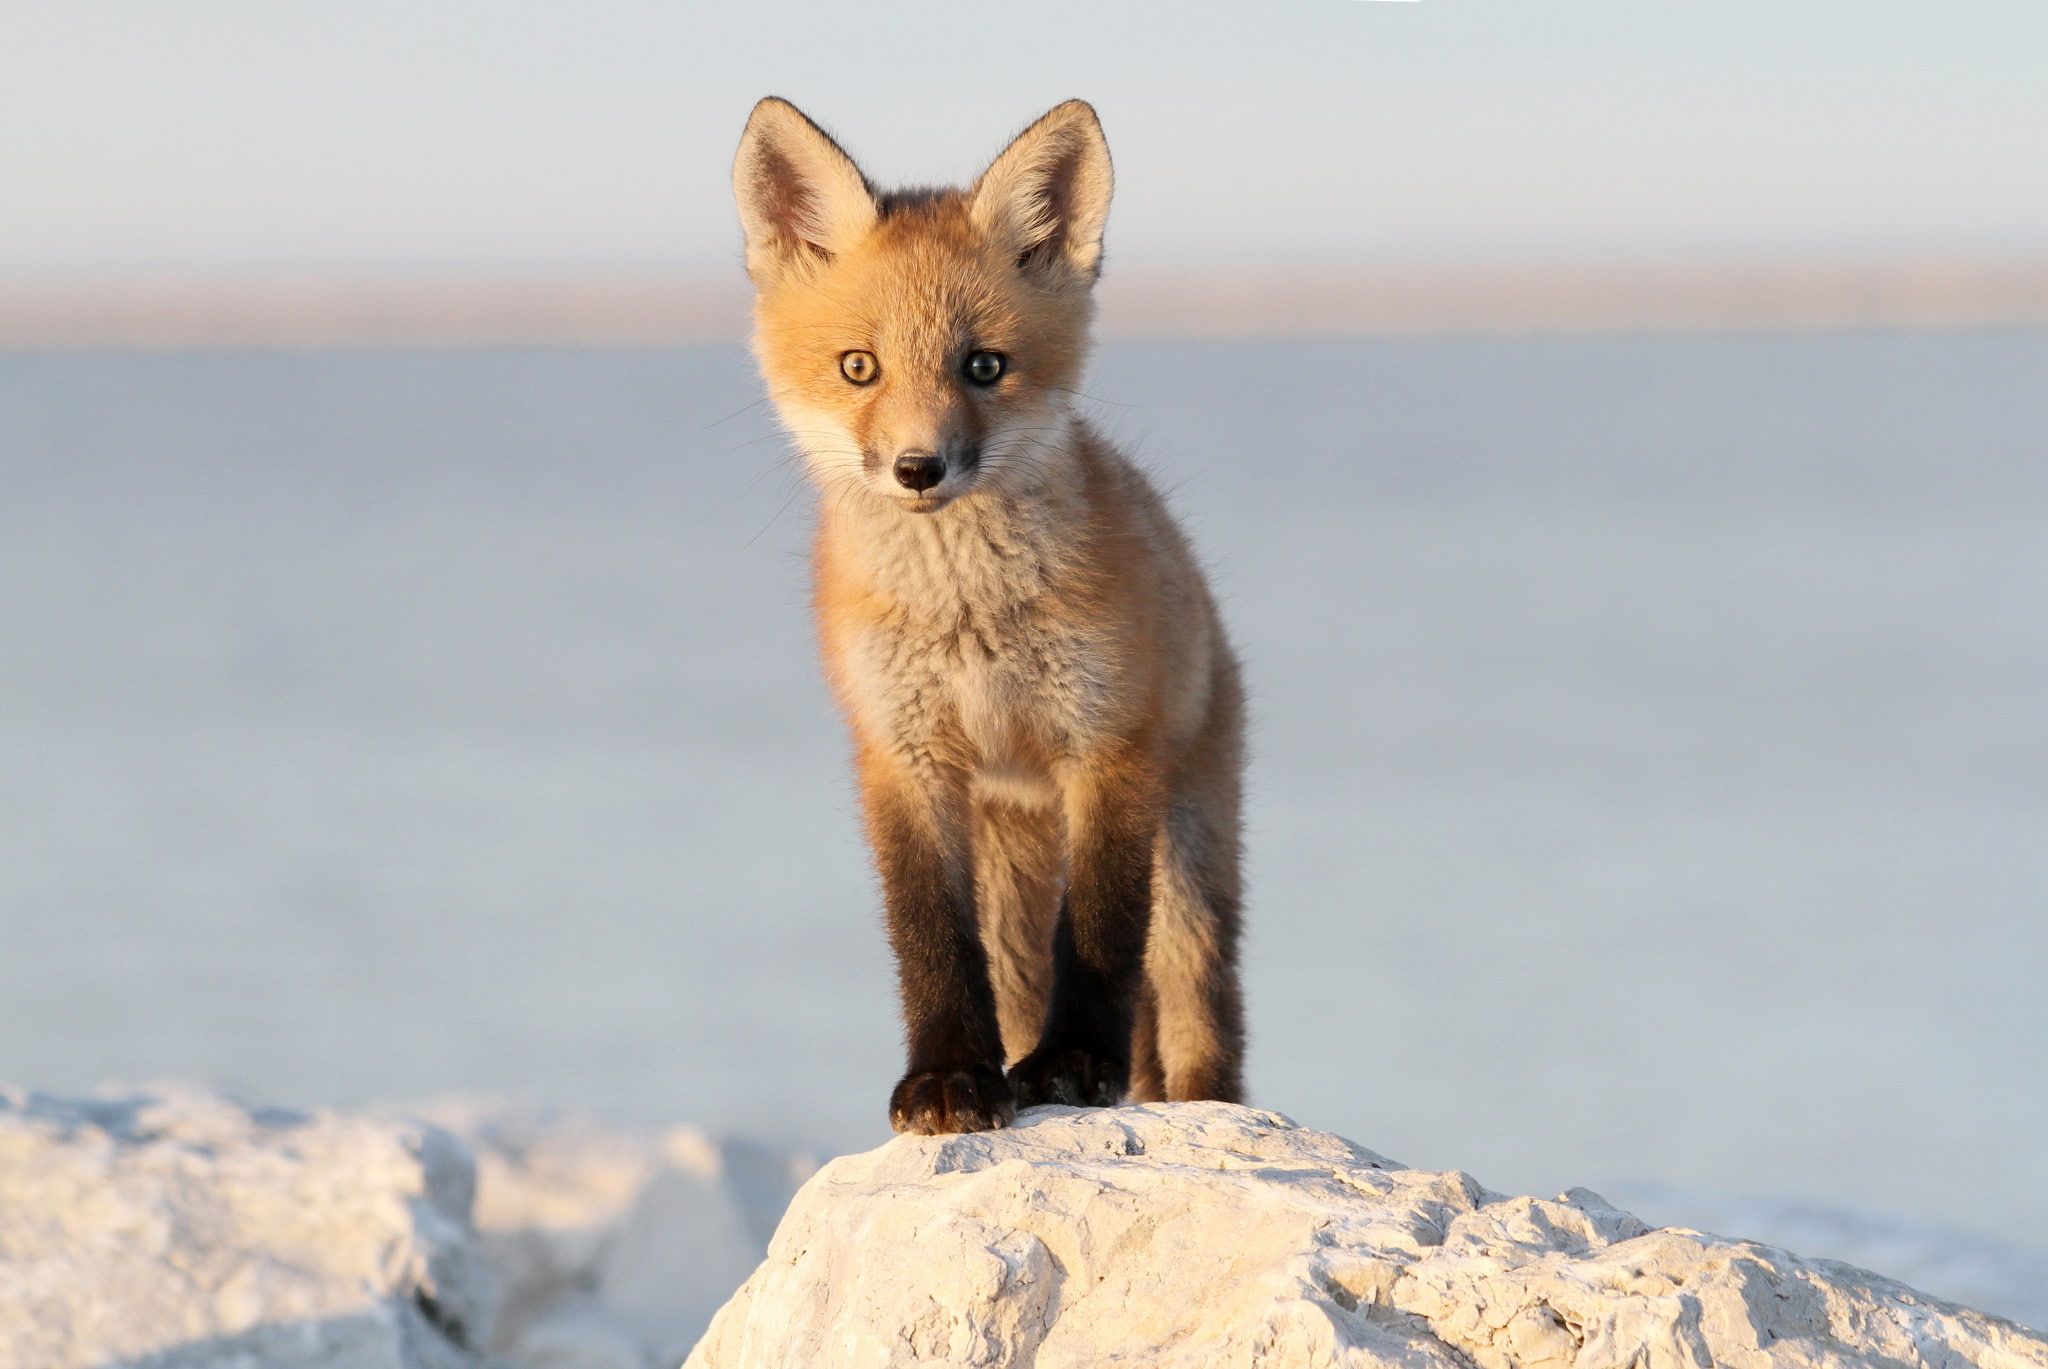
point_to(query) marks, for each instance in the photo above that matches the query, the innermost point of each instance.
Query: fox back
(1046, 715)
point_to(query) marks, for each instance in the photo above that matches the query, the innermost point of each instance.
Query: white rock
(176, 1228)
(612, 1247)
(1984, 1272)
(1204, 1234)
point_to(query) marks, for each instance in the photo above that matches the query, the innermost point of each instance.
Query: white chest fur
(977, 647)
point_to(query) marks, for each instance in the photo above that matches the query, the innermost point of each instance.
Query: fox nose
(920, 470)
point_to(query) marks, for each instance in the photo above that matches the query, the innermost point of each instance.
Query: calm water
(1652, 773)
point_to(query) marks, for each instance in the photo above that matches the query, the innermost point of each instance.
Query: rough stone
(1985, 1272)
(613, 1247)
(1212, 1235)
(172, 1227)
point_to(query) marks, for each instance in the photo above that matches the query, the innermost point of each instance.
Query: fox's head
(922, 344)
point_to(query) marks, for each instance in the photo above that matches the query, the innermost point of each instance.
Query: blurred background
(1620, 434)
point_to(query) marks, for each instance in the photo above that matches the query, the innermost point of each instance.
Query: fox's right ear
(801, 198)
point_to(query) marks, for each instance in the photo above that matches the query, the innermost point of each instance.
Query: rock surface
(1206, 1234)
(170, 1226)
(175, 1228)
(612, 1248)
(1977, 1271)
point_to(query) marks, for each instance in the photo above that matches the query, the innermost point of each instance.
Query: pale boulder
(1202, 1234)
(175, 1228)
(612, 1246)
(1985, 1272)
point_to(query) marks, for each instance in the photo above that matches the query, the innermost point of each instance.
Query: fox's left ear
(1047, 195)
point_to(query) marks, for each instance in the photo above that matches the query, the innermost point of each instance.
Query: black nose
(920, 470)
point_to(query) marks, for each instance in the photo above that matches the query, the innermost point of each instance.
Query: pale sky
(181, 136)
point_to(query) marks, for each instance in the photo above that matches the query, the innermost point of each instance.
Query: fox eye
(985, 368)
(859, 367)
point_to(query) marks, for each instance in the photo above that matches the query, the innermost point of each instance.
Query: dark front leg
(954, 1079)
(1084, 1056)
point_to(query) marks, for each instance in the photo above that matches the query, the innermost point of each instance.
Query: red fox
(1047, 718)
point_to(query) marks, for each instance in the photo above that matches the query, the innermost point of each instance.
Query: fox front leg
(1083, 1058)
(954, 1077)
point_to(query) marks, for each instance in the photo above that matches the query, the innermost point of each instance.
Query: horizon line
(667, 308)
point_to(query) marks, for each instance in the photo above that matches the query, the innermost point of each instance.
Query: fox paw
(1077, 1078)
(937, 1102)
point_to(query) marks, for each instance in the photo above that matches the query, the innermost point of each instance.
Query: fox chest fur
(976, 644)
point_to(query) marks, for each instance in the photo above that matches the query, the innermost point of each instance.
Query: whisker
(735, 414)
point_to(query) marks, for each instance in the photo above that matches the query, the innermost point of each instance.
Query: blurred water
(1652, 774)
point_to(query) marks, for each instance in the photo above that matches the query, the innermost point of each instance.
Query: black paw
(937, 1102)
(1077, 1078)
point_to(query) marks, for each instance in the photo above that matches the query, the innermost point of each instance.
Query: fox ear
(1047, 195)
(801, 198)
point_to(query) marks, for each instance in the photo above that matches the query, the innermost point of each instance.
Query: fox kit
(1046, 715)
